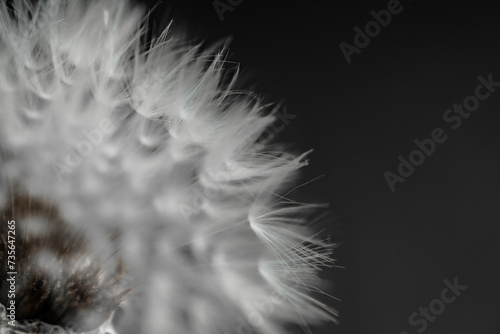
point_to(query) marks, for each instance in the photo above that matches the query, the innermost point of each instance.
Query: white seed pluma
(151, 152)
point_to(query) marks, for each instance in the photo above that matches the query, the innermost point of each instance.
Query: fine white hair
(155, 141)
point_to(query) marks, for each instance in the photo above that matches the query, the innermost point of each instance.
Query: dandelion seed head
(169, 191)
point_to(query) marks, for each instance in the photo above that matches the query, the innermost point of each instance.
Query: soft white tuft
(157, 143)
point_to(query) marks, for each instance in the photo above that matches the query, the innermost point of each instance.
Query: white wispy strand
(183, 170)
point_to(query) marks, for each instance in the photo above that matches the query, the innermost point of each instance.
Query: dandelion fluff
(151, 193)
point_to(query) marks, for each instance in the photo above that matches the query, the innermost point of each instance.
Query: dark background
(442, 222)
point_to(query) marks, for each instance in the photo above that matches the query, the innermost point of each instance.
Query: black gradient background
(442, 222)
